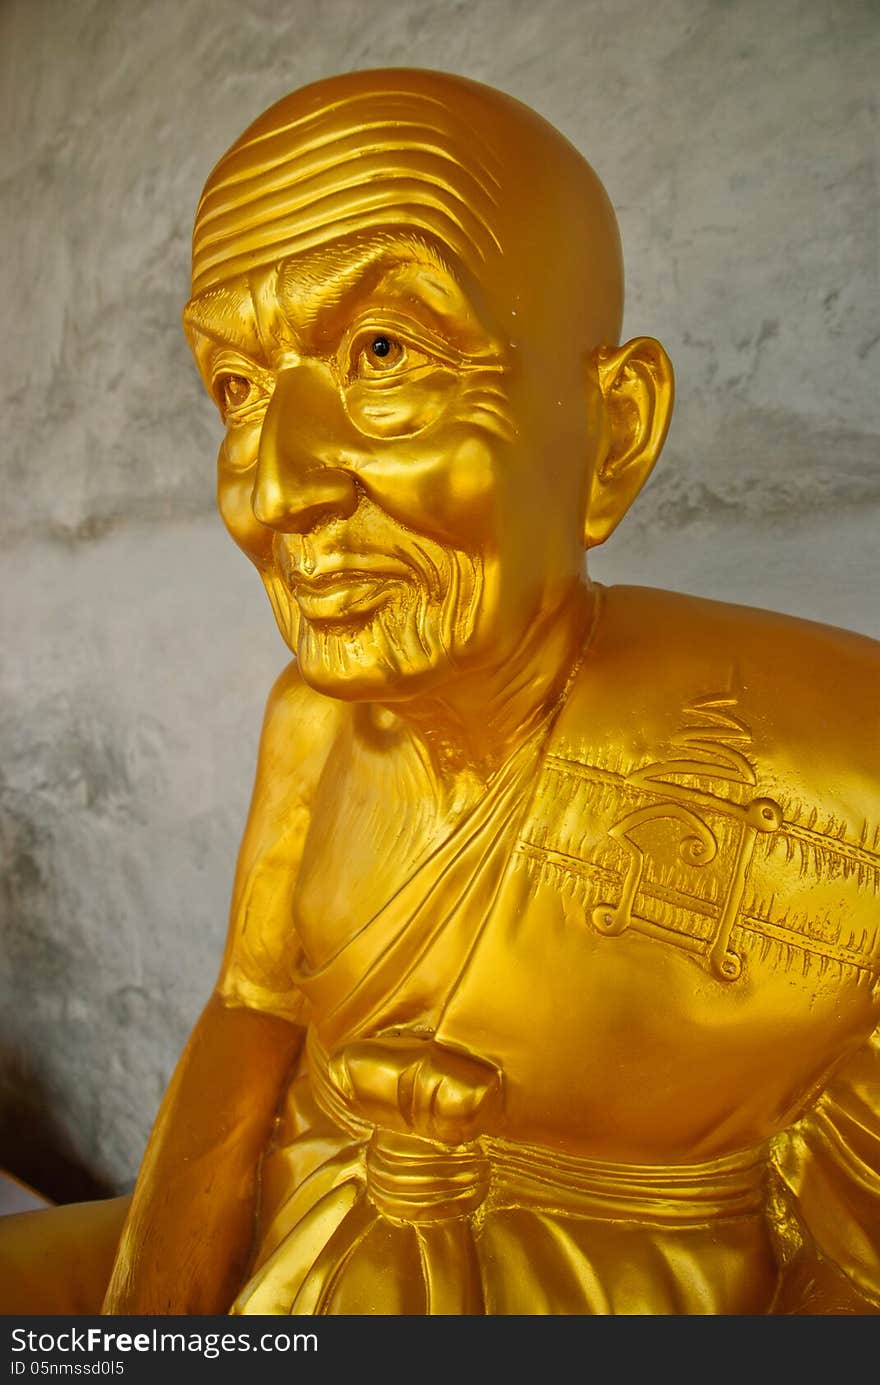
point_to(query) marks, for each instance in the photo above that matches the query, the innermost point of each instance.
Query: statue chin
(354, 667)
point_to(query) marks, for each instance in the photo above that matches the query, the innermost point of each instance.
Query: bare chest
(378, 814)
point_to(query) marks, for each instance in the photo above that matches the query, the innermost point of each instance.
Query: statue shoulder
(299, 728)
(793, 703)
(799, 684)
(671, 620)
(291, 699)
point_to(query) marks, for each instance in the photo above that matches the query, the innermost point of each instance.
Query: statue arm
(187, 1238)
(188, 1235)
(829, 1167)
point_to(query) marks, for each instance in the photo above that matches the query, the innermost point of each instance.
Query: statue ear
(636, 385)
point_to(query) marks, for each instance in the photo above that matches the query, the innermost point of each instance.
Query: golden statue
(552, 975)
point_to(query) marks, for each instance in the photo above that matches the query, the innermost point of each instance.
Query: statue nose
(299, 480)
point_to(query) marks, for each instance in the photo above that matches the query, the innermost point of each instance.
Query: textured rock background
(738, 142)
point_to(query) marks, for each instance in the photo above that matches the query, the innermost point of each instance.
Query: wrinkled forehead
(361, 162)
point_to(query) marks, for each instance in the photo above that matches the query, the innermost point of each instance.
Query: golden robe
(660, 926)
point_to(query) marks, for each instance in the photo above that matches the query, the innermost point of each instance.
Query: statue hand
(416, 1085)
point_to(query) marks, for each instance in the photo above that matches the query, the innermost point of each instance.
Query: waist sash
(414, 1180)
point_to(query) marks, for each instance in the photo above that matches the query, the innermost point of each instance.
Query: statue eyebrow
(225, 314)
(337, 271)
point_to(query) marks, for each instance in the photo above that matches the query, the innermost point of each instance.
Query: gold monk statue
(551, 984)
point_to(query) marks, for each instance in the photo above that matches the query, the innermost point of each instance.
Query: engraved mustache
(329, 570)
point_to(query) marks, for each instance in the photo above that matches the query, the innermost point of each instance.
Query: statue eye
(379, 354)
(232, 392)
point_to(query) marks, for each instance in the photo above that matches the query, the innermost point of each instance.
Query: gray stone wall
(737, 141)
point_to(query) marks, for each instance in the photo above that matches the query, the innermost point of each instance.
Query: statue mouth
(341, 592)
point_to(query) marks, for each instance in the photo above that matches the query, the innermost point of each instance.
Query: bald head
(407, 294)
(464, 165)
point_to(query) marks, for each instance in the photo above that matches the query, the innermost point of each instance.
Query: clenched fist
(412, 1084)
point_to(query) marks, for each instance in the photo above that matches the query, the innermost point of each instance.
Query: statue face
(386, 465)
(410, 422)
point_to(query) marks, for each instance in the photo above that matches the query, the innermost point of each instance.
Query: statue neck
(476, 723)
